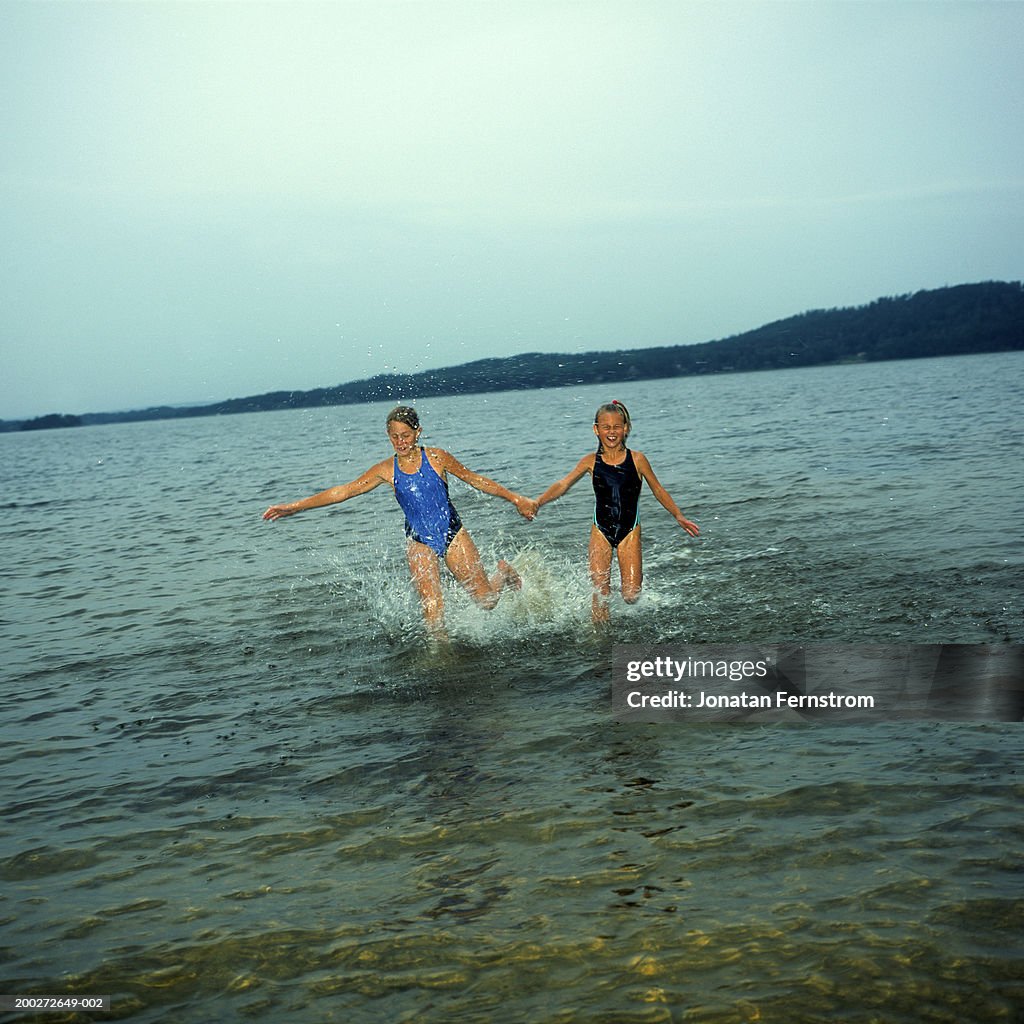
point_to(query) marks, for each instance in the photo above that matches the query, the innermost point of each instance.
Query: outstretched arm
(644, 469)
(556, 490)
(526, 507)
(373, 477)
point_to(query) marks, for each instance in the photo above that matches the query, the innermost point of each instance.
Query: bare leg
(600, 557)
(631, 571)
(464, 561)
(426, 577)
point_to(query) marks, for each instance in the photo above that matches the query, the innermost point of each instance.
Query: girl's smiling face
(403, 438)
(611, 429)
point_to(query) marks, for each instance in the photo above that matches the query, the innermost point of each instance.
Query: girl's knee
(631, 594)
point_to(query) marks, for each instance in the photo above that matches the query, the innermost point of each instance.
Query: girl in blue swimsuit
(618, 474)
(419, 478)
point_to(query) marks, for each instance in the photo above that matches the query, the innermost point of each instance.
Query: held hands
(526, 507)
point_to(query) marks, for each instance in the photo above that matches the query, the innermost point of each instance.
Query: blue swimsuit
(430, 516)
(617, 490)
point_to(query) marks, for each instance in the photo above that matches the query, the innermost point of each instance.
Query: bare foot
(512, 578)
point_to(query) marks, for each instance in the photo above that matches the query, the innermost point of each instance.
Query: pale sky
(211, 200)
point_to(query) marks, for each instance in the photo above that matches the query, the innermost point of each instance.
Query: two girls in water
(435, 532)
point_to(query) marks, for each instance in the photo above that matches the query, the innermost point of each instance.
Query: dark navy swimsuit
(617, 490)
(430, 516)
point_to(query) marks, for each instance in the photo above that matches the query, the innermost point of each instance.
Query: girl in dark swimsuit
(433, 528)
(617, 475)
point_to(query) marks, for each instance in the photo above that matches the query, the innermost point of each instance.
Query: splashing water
(554, 598)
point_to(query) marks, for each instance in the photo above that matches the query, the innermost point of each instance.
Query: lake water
(239, 785)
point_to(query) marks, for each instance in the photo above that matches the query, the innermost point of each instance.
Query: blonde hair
(613, 406)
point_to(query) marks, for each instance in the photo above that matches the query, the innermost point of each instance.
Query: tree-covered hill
(958, 320)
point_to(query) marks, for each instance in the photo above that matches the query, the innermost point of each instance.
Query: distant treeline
(48, 422)
(958, 320)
